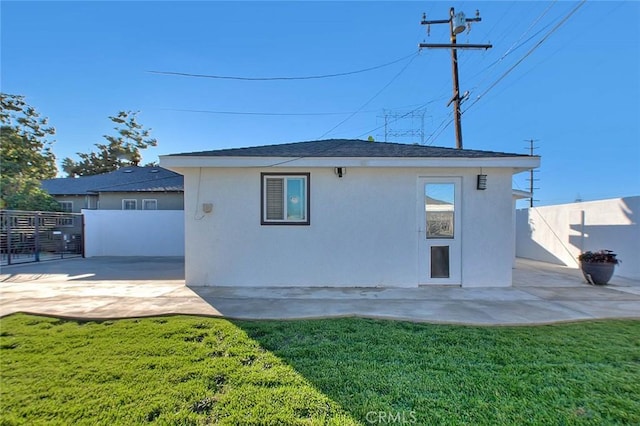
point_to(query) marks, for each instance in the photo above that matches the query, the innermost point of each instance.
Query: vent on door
(439, 261)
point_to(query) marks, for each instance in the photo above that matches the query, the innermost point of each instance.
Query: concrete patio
(100, 288)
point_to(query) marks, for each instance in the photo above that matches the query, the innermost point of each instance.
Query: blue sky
(577, 93)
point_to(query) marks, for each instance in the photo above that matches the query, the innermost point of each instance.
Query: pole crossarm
(446, 21)
(439, 21)
(455, 46)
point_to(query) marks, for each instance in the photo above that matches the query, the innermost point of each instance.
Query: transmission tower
(412, 125)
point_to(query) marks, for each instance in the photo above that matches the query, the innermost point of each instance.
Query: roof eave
(71, 194)
(519, 194)
(134, 191)
(518, 164)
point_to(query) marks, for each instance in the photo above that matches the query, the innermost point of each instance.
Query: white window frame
(306, 177)
(144, 203)
(135, 203)
(68, 203)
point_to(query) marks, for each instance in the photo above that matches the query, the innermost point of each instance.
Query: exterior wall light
(340, 171)
(482, 182)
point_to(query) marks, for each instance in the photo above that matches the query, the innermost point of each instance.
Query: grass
(191, 370)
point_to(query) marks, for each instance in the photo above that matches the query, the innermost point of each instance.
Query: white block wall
(134, 233)
(558, 234)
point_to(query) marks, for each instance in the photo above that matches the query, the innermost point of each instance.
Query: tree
(26, 194)
(25, 149)
(25, 155)
(120, 150)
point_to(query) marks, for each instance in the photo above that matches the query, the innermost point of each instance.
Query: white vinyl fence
(558, 234)
(134, 232)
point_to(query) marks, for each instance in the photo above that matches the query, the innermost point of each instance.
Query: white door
(439, 230)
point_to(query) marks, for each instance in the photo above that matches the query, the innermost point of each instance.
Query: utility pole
(531, 178)
(457, 24)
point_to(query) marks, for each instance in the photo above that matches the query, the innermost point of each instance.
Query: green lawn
(191, 370)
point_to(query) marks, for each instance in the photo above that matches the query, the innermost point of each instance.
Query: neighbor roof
(349, 148)
(126, 179)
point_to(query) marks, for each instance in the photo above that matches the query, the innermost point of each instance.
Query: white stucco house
(348, 213)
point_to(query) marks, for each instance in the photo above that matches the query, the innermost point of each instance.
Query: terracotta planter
(597, 272)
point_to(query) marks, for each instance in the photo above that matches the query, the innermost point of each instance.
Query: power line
(396, 119)
(432, 137)
(533, 24)
(370, 99)
(561, 47)
(340, 144)
(309, 77)
(507, 53)
(515, 46)
(264, 113)
(542, 40)
(486, 36)
(391, 117)
(546, 36)
(285, 114)
(320, 152)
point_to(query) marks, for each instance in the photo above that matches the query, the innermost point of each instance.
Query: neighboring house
(348, 213)
(128, 188)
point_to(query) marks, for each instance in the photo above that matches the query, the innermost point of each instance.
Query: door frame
(425, 244)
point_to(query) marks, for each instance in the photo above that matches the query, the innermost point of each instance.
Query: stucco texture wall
(487, 239)
(363, 231)
(558, 234)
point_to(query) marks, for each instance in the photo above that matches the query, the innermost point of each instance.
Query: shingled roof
(126, 179)
(349, 148)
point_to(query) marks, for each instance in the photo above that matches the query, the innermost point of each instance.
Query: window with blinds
(285, 199)
(274, 198)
